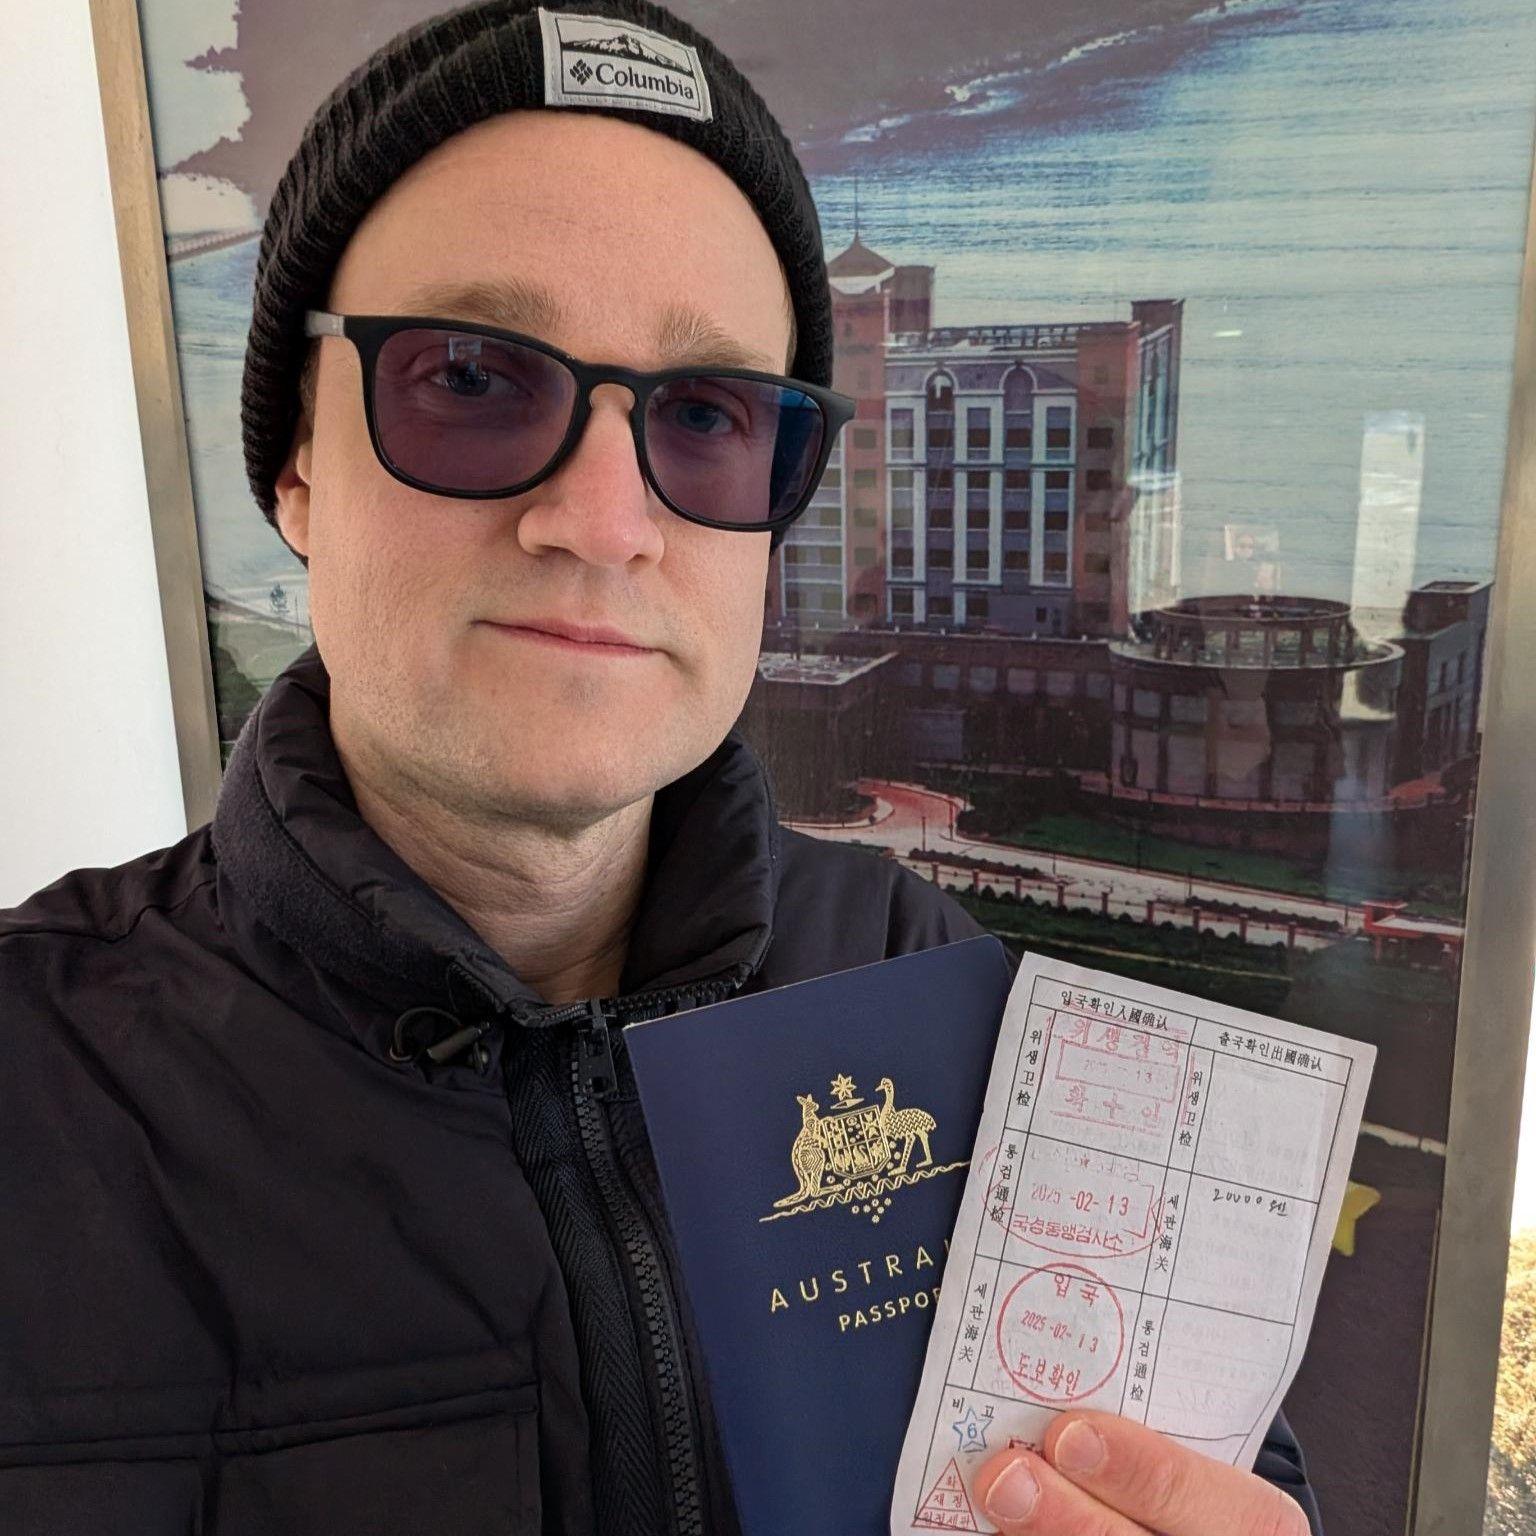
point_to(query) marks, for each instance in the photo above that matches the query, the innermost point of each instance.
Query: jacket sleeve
(1281, 1462)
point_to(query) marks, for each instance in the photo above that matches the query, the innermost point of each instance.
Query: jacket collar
(298, 863)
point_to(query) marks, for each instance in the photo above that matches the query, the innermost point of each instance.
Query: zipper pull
(599, 1076)
(470, 1035)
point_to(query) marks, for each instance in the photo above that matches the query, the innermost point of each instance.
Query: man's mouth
(598, 640)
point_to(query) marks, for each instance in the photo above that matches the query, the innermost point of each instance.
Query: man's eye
(704, 417)
(472, 381)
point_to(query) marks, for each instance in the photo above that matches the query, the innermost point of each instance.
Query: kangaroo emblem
(808, 1157)
(858, 1153)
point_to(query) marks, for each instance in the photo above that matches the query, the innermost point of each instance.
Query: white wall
(88, 770)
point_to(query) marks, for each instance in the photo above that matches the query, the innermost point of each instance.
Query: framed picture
(1167, 598)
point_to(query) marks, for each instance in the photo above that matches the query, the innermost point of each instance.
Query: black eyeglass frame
(368, 333)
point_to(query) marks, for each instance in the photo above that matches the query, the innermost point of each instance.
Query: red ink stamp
(1080, 1202)
(1060, 1333)
(948, 1506)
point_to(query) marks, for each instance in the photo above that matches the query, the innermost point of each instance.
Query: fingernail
(1013, 1495)
(1080, 1448)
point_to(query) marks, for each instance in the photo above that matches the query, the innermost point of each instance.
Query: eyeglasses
(468, 410)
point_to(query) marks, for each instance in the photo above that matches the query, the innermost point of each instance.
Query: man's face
(622, 226)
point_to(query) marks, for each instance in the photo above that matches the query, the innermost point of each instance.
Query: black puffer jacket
(262, 1275)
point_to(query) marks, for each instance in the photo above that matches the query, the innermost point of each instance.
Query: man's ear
(291, 488)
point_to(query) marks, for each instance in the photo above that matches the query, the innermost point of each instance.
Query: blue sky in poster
(1337, 189)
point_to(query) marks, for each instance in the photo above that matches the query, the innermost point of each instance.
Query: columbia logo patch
(594, 61)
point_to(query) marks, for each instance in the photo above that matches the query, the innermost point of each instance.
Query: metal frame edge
(157, 388)
(1494, 1007)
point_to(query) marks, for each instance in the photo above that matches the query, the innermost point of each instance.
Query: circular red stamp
(1060, 1333)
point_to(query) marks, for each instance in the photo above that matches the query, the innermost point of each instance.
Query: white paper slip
(1149, 1207)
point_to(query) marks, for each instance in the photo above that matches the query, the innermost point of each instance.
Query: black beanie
(630, 58)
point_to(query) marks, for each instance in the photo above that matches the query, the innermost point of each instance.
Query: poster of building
(1143, 604)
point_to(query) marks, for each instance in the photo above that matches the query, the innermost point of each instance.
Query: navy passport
(813, 1142)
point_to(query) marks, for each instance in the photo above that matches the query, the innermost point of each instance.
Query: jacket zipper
(594, 1077)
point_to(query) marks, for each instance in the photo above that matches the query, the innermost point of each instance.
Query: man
(328, 1203)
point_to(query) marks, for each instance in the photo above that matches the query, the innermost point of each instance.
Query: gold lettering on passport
(808, 1289)
(858, 1153)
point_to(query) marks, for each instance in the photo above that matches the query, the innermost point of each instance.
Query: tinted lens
(468, 413)
(733, 450)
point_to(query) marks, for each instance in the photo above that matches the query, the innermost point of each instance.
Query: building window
(911, 675)
(865, 437)
(1096, 565)
(792, 598)
(1061, 685)
(983, 679)
(863, 554)
(941, 517)
(976, 562)
(1015, 559)
(1021, 680)
(1055, 563)
(829, 517)
(1055, 519)
(940, 557)
(976, 612)
(864, 517)
(792, 554)
(1147, 703)
(941, 405)
(1097, 479)
(901, 603)
(901, 431)
(865, 477)
(941, 482)
(978, 498)
(1016, 519)
(978, 431)
(832, 478)
(1058, 431)
(830, 554)
(901, 519)
(1018, 435)
(1101, 437)
(901, 487)
(1041, 614)
(946, 675)
(1016, 482)
(940, 608)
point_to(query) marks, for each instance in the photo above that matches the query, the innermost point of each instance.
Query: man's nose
(597, 504)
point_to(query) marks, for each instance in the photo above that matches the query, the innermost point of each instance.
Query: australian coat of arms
(858, 1153)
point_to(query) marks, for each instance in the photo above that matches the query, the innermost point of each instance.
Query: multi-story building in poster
(1014, 478)
(987, 582)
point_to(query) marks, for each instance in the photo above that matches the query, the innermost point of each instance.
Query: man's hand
(1102, 1475)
